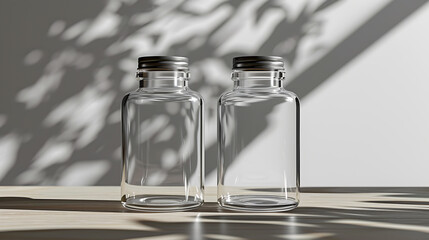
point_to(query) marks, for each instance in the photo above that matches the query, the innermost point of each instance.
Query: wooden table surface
(324, 213)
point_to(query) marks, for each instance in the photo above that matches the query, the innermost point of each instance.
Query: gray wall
(359, 68)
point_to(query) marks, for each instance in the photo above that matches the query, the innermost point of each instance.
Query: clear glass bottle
(162, 138)
(258, 138)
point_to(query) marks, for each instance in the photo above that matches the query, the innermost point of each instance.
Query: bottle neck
(245, 79)
(162, 79)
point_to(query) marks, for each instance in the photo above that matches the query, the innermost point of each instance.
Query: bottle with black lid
(162, 138)
(258, 138)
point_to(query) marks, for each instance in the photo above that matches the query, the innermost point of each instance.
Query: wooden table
(324, 213)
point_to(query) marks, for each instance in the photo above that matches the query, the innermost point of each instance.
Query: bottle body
(258, 144)
(163, 149)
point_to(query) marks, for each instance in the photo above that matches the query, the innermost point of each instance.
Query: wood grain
(324, 213)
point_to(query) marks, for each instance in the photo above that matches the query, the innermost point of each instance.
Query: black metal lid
(163, 63)
(258, 63)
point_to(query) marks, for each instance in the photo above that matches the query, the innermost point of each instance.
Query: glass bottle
(258, 138)
(162, 138)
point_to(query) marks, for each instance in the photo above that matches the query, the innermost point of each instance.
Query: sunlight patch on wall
(84, 173)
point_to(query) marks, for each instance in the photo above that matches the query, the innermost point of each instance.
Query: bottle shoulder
(185, 94)
(243, 95)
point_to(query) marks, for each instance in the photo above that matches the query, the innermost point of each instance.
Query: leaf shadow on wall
(62, 124)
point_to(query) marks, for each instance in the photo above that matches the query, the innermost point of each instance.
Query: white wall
(368, 125)
(63, 74)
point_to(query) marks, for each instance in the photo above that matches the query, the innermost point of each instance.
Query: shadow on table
(323, 223)
(23, 203)
(61, 204)
(403, 220)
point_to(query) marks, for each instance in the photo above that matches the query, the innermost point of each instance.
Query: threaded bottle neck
(257, 79)
(162, 79)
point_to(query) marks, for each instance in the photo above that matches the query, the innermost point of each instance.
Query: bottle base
(258, 203)
(159, 203)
